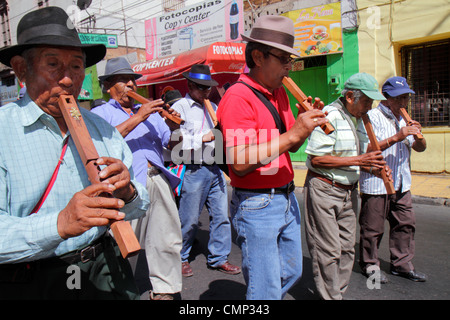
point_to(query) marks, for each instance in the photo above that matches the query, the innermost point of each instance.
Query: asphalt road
(432, 258)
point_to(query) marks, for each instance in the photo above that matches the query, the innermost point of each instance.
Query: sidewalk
(433, 189)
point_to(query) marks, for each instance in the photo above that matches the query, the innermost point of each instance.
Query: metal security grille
(427, 70)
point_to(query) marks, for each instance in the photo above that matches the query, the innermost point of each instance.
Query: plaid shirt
(30, 146)
(340, 143)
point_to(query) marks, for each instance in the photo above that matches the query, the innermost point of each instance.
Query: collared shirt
(146, 141)
(340, 143)
(245, 120)
(30, 146)
(197, 123)
(385, 125)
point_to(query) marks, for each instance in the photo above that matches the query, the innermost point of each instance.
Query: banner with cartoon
(317, 29)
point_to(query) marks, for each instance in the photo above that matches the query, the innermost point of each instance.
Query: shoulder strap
(52, 180)
(276, 116)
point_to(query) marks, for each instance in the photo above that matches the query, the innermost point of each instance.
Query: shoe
(161, 296)
(186, 270)
(375, 273)
(227, 268)
(411, 275)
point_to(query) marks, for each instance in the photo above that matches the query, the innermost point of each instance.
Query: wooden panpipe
(376, 147)
(407, 118)
(122, 230)
(211, 112)
(163, 112)
(303, 101)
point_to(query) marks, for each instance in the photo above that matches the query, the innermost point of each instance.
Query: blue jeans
(205, 185)
(269, 235)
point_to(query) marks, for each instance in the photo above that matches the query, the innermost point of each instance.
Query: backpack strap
(276, 116)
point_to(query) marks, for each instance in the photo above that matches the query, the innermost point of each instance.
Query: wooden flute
(376, 147)
(407, 118)
(122, 230)
(163, 112)
(211, 112)
(303, 101)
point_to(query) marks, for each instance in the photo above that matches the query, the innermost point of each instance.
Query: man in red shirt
(264, 209)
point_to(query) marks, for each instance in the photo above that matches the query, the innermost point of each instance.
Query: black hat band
(47, 30)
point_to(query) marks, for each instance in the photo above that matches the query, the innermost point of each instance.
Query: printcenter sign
(193, 27)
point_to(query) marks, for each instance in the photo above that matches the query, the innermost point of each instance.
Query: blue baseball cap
(396, 86)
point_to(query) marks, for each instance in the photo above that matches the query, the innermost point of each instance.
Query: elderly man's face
(118, 86)
(51, 72)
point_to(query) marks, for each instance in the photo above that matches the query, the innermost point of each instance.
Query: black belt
(86, 254)
(285, 190)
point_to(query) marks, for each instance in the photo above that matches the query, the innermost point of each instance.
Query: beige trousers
(330, 223)
(159, 233)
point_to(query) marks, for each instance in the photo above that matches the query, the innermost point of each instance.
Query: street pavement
(432, 258)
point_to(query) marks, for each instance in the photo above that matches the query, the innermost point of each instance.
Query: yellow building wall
(384, 28)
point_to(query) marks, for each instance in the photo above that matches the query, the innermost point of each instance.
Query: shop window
(427, 68)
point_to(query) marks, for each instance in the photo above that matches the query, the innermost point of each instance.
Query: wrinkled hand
(372, 159)
(116, 174)
(306, 122)
(151, 107)
(318, 104)
(408, 130)
(88, 209)
(172, 125)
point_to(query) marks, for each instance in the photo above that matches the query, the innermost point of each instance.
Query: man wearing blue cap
(396, 138)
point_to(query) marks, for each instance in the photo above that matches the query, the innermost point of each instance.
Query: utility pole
(125, 27)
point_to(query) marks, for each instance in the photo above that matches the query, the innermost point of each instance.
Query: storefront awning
(222, 57)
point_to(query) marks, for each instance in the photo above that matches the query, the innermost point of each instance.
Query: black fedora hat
(49, 26)
(116, 66)
(200, 74)
(171, 96)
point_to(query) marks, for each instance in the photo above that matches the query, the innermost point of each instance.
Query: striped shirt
(385, 125)
(30, 146)
(340, 143)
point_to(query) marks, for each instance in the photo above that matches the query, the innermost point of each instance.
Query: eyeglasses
(283, 60)
(202, 87)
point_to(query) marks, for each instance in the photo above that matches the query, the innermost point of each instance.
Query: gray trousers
(330, 223)
(159, 233)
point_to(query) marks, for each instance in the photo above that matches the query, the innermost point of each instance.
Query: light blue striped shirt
(396, 156)
(30, 146)
(340, 143)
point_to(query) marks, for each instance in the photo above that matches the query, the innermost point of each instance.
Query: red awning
(222, 57)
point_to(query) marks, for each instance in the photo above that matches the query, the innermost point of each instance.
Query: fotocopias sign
(193, 27)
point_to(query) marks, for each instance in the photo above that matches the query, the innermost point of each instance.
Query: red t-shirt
(244, 119)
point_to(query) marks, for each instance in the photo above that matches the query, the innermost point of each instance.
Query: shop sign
(193, 27)
(317, 29)
(109, 40)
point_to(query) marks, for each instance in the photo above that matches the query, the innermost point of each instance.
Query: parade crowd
(159, 174)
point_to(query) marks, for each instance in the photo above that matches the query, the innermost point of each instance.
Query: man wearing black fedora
(147, 134)
(264, 209)
(203, 182)
(54, 235)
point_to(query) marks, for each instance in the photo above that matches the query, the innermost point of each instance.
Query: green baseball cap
(366, 83)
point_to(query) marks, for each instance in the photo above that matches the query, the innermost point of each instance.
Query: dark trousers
(108, 276)
(375, 209)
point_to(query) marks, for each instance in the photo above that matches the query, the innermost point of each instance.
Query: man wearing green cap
(330, 190)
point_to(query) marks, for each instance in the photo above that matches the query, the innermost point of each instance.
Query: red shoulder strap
(52, 180)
